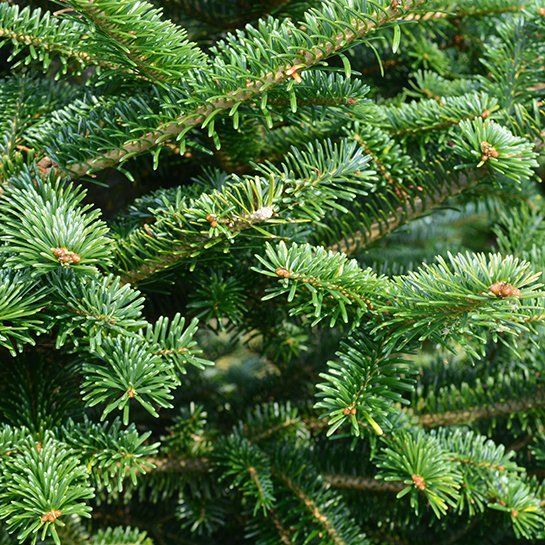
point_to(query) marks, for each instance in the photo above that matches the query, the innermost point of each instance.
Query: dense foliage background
(271, 272)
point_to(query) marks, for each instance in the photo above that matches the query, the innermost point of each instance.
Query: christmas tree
(272, 272)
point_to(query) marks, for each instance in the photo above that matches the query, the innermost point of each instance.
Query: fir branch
(42, 484)
(327, 285)
(410, 210)
(24, 103)
(121, 536)
(179, 465)
(285, 534)
(312, 508)
(488, 150)
(247, 467)
(111, 454)
(362, 484)
(419, 118)
(133, 33)
(462, 9)
(318, 48)
(21, 305)
(309, 182)
(57, 232)
(363, 385)
(124, 370)
(471, 414)
(46, 37)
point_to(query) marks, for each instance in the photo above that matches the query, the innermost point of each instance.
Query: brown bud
(283, 273)
(514, 513)
(541, 11)
(488, 151)
(52, 516)
(419, 482)
(212, 220)
(131, 392)
(485, 114)
(66, 257)
(45, 164)
(503, 290)
(293, 72)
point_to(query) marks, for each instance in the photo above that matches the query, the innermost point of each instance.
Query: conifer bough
(319, 37)
(303, 303)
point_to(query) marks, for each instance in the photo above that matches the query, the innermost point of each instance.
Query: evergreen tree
(272, 272)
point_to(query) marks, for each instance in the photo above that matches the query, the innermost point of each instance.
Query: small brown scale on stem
(212, 220)
(52, 516)
(419, 482)
(147, 228)
(488, 151)
(293, 72)
(66, 257)
(504, 289)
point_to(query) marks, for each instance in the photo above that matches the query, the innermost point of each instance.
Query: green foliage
(273, 421)
(56, 233)
(421, 463)
(121, 536)
(331, 283)
(42, 37)
(153, 48)
(482, 464)
(116, 453)
(427, 116)
(188, 432)
(95, 307)
(307, 503)
(247, 469)
(447, 300)
(493, 145)
(124, 369)
(302, 189)
(522, 506)
(201, 516)
(173, 340)
(460, 469)
(340, 211)
(458, 298)
(26, 102)
(219, 298)
(362, 387)
(27, 399)
(42, 482)
(21, 303)
(513, 76)
(245, 66)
